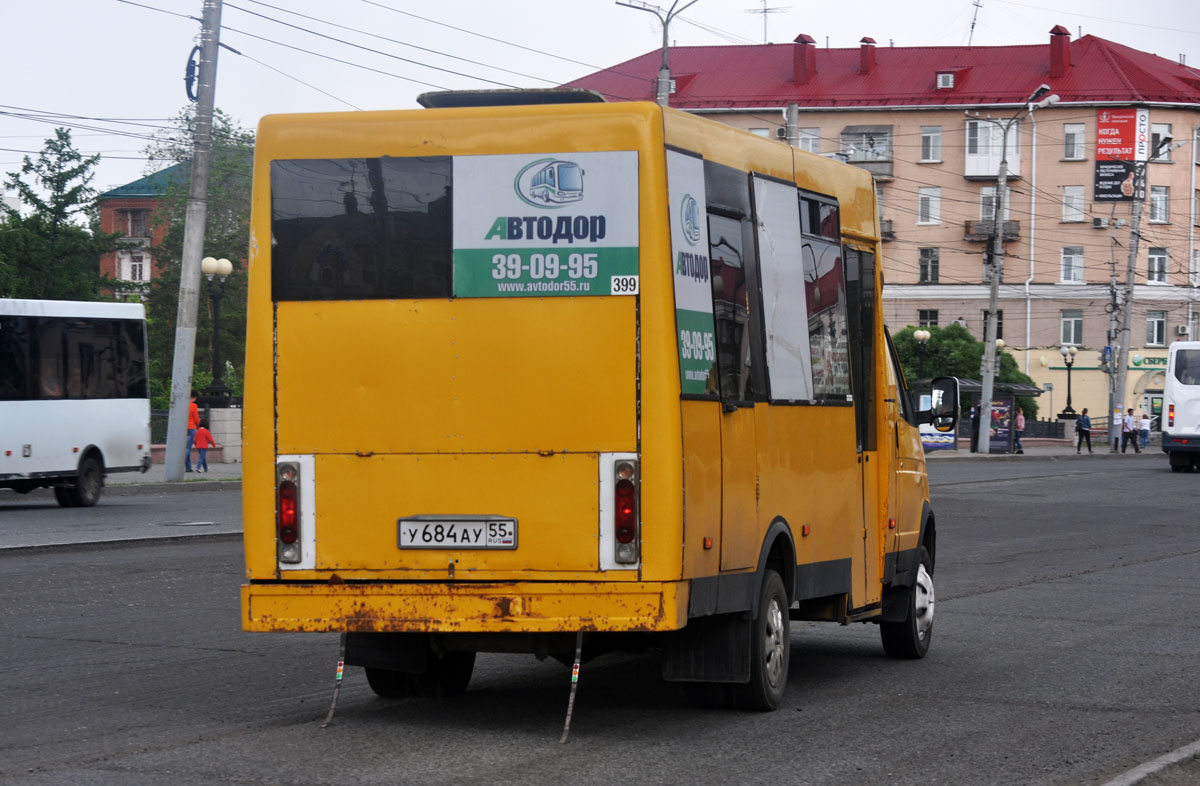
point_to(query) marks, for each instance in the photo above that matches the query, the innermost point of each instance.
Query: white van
(1181, 406)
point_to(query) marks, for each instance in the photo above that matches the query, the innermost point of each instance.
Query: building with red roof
(919, 119)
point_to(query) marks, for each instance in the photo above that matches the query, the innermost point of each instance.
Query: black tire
(910, 639)
(85, 488)
(388, 684)
(447, 675)
(770, 649)
(62, 495)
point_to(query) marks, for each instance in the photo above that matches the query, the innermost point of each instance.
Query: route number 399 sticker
(624, 285)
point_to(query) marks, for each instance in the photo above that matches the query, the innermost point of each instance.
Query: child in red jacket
(204, 441)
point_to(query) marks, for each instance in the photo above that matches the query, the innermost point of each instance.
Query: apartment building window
(1072, 326)
(134, 223)
(987, 204)
(1194, 275)
(1193, 326)
(1072, 263)
(810, 139)
(927, 317)
(879, 199)
(1072, 203)
(763, 132)
(1156, 328)
(929, 205)
(931, 144)
(984, 149)
(1159, 132)
(999, 323)
(867, 143)
(928, 266)
(1160, 197)
(1073, 136)
(1157, 271)
(137, 268)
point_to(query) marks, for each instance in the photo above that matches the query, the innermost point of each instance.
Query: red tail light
(288, 526)
(287, 512)
(1170, 414)
(625, 512)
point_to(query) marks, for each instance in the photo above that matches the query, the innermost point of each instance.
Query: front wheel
(62, 495)
(770, 649)
(388, 684)
(911, 637)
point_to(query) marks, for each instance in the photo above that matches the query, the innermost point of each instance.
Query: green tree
(49, 253)
(226, 235)
(953, 352)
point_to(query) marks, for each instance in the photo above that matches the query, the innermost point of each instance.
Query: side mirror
(943, 405)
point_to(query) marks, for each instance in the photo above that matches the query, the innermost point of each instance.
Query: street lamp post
(663, 95)
(1035, 101)
(921, 337)
(218, 269)
(1068, 352)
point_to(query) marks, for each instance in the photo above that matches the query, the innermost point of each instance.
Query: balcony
(885, 229)
(982, 230)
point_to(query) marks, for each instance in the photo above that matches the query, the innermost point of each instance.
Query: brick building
(916, 117)
(128, 211)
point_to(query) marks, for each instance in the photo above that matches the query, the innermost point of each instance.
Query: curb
(1155, 766)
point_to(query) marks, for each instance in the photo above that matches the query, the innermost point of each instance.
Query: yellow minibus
(524, 371)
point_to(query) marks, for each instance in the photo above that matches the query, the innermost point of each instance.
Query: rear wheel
(770, 648)
(85, 490)
(62, 495)
(388, 684)
(447, 675)
(911, 637)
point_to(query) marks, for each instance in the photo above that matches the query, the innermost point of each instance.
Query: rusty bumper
(529, 607)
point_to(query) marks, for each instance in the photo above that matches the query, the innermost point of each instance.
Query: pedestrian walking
(204, 441)
(1020, 429)
(1129, 432)
(1083, 427)
(193, 423)
(1145, 429)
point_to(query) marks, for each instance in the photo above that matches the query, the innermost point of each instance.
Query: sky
(113, 69)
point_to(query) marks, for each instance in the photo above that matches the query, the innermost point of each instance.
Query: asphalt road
(1068, 622)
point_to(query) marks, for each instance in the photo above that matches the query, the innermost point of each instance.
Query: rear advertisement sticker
(546, 224)
(693, 289)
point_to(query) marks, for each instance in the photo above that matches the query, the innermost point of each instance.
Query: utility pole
(193, 244)
(997, 264)
(791, 125)
(1118, 406)
(664, 71)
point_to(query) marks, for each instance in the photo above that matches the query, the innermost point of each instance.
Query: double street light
(218, 269)
(1068, 352)
(1037, 100)
(922, 338)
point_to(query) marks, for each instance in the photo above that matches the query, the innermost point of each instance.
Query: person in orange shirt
(193, 424)
(204, 441)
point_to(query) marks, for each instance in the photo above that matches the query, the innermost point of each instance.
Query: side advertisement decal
(546, 224)
(693, 290)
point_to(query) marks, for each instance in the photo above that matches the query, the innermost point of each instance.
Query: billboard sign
(1122, 140)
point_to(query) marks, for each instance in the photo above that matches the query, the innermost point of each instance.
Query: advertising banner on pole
(1122, 140)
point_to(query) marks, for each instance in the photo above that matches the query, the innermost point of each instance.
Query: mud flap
(709, 649)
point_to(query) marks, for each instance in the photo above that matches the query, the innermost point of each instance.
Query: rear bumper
(528, 607)
(1180, 443)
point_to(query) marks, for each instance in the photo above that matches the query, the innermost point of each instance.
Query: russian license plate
(479, 533)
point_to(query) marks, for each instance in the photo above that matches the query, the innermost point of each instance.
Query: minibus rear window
(1187, 366)
(361, 228)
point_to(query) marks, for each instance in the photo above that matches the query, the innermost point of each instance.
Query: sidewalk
(219, 475)
(1046, 448)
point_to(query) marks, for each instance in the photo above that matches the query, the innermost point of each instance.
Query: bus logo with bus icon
(550, 183)
(689, 219)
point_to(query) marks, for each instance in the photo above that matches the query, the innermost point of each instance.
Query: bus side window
(14, 358)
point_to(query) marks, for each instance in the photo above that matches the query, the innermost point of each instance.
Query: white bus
(1181, 406)
(74, 404)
